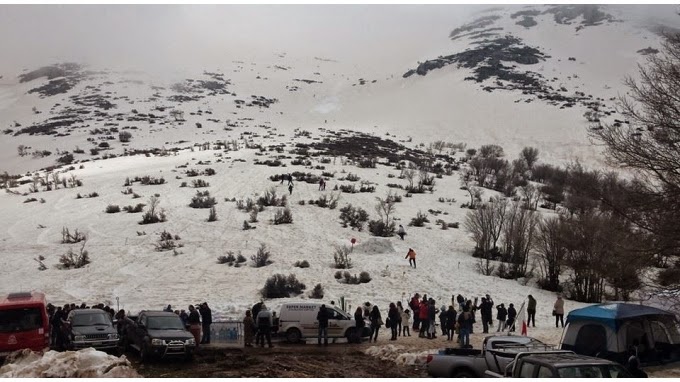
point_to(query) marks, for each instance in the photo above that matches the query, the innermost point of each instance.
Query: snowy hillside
(251, 111)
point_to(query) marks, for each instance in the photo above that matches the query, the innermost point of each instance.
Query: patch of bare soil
(289, 361)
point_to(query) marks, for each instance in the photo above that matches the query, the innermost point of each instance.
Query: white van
(297, 320)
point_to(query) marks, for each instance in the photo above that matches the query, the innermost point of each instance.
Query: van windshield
(20, 320)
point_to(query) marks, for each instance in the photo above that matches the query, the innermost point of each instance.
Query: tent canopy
(613, 314)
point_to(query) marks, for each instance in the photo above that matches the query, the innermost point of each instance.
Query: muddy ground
(289, 361)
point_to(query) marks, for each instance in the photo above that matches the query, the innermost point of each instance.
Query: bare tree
(551, 251)
(530, 156)
(530, 196)
(648, 145)
(519, 233)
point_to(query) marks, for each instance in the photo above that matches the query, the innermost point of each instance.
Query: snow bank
(399, 354)
(86, 363)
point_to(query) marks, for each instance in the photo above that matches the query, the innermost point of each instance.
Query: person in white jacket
(405, 322)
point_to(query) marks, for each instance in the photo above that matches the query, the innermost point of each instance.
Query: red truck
(23, 322)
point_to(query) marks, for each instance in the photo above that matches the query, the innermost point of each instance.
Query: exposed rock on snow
(86, 363)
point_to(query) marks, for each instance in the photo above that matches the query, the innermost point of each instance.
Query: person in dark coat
(531, 311)
(442, 320)
(290, 188)
(322, 319)
(206, 321)
(195, 324)
(376, 321)
(264, 326)
(400, 309)
(359, 318)
(501, 316)
(512, 315)
(485, 309)
(461, 302)
(168, 308)
(450, 322)
(465, 322)
(184, 317)
(393, 316)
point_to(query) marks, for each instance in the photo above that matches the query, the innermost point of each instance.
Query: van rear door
(22, 328)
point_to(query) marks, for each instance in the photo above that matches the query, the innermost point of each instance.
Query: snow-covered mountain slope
(577, 56)
(269, 101)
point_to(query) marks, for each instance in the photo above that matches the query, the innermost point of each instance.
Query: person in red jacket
(423, 315)
(415, 305)
(411, 256)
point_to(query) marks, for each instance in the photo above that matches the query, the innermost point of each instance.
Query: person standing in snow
(411, 256)
(290, 188)
(442, 319)
(359, 318)
(290, 179)
(393, 316)
(501, 316)
(461, 302)
(322, 319)
(485, 309)
(414, 304)
(512, 315)
(376, 322)
(531, 311)
(558, 311)
(450, 322)
(194, 321)
(423, 314)
(206, 321)
(405, 318)
(264, 327)
(322, 185)
(248, 329)
(400, 310)
(168, 309)
(465, 323)
(432, 318)
(401, 232)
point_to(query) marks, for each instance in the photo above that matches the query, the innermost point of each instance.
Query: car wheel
(353, 336)
(293, 335)
(462, 374)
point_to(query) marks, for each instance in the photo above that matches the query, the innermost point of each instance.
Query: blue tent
(614, 314)
(617, 330)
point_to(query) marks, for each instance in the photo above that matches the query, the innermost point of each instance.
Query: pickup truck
(560, 364)
(157, 334)
(91, 328)
(497, 352)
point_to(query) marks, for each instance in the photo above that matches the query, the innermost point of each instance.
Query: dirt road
(334, 361)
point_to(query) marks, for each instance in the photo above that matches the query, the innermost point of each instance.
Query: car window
(544, 372)
(580, 372)
(527, 370)
(334, 314)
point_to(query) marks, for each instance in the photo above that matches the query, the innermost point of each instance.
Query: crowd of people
(456, 321)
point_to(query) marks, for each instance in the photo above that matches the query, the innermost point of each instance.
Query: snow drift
(86, 363)
(399, 354)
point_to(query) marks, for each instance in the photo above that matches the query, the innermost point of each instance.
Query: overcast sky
(129, 36)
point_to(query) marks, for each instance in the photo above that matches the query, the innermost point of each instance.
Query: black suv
(566, 365)
(92, 328)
